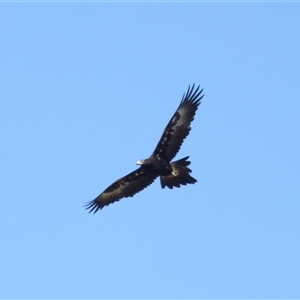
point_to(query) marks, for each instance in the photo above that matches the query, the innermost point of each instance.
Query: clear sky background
(86, 91)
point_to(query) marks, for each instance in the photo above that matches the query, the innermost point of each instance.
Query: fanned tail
(179, 176)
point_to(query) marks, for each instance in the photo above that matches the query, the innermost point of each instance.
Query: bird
(171, 174)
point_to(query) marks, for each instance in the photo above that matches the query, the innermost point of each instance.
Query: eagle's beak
(140, 162)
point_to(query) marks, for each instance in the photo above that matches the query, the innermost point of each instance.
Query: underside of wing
(126, 186)
(179, 126)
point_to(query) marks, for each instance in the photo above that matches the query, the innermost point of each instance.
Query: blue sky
(86, 91)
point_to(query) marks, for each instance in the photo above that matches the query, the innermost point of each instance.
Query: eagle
(172, 174)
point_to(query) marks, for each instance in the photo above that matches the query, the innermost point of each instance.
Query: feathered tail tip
(179, 176)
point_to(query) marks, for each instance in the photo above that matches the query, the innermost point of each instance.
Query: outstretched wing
(179, 126)
(126, 186)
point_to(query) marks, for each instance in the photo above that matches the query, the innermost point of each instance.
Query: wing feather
(179, 126)
(126, 186)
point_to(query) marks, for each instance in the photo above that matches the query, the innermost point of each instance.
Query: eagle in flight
(172, 174)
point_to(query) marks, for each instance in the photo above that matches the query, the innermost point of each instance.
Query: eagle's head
(145, 162)
(140, 162)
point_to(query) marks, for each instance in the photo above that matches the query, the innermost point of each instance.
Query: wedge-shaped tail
(180, 175)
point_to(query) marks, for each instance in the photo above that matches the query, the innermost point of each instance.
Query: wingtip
(193, 95)
(92, 206)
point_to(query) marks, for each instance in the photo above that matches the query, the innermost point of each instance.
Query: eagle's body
(172, 174)
(156, 165)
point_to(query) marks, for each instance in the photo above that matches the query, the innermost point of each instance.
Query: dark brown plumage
(172, 174)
